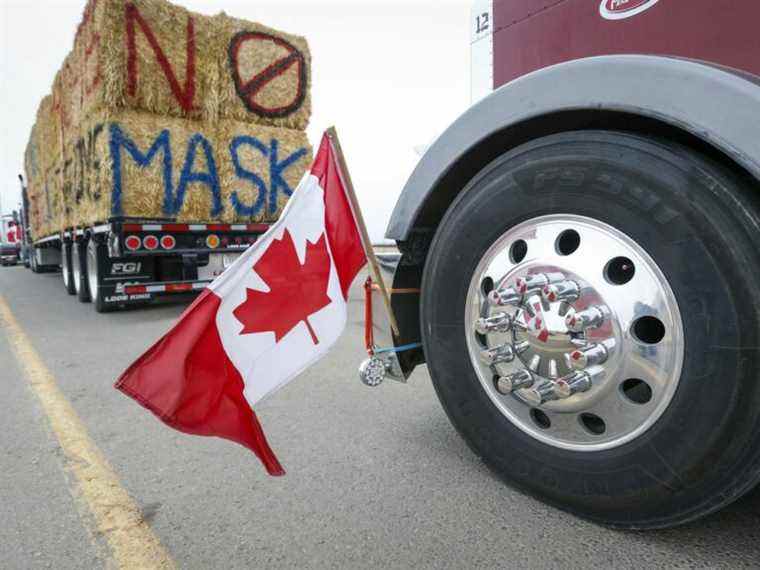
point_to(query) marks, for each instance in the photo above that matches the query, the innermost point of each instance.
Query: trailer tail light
(150, 242)
(212, 241)
(168, 242)
(132, 243)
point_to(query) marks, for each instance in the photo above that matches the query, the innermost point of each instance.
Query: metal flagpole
(366, 243)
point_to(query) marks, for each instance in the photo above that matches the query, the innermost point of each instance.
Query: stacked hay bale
(159, 112)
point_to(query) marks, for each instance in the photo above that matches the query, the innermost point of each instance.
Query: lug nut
(590, 356)
(564, 387)
(498, 355)
(545, 392)
(505, 296)
(535, 283)
(517, 381)
(572, 384)
(564, 307)
(567, 291)
(498, 322)
(579, 382)
(521, 346)
(591, 318)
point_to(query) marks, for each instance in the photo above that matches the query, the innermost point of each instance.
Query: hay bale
(67, 215)
(32, 158)
(35, 215)
(45, 147)
(139, 165)
(265, 75)
(49, 138)
(47, 201)
(149, 55)
(260, 168)
(154, 56)
(33, 170)
(67, 96)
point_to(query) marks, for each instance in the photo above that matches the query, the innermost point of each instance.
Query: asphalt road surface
(376, 478)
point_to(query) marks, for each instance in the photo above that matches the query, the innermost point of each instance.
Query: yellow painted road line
(130, 538)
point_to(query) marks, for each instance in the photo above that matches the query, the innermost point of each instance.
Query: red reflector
(175, 227)
(168, 242)
(132, 243)
(150, 242)
(179, 287)
(135, 289)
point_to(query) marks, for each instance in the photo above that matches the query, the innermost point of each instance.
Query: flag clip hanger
(383, 361)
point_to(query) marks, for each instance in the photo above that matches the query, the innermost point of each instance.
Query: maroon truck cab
(532, 34)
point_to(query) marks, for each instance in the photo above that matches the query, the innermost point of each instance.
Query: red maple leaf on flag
(295, 291)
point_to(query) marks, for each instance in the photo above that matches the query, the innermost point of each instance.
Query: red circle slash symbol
(248, 89)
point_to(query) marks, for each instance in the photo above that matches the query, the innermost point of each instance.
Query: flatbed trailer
(131, 261)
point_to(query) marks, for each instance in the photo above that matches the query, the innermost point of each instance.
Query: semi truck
(580, 254)
(10, 240)
(155, 160)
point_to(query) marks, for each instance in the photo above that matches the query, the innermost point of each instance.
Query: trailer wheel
(591, 319)
(97, 293)
(79, 270)
(66, 269)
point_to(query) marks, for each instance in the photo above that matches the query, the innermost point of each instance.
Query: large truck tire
(79, 270)
(591, 319)
(95, 253)
(66, 269)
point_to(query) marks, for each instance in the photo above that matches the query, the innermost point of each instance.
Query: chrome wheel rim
(92, 270)
(76, 267)
(574, 332)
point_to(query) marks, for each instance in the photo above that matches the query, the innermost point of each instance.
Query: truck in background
(10, 239)
(580, 253)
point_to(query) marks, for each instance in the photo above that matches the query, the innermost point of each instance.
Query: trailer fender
(715, 104)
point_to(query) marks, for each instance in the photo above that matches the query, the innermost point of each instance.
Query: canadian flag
(272, 314)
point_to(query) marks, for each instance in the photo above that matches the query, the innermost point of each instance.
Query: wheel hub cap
(577, 338)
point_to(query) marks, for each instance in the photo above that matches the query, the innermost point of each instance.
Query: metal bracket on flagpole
(374, 266)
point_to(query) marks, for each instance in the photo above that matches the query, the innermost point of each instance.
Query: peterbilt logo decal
(620, 9)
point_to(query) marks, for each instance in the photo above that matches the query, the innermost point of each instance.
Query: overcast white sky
(390, 74)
